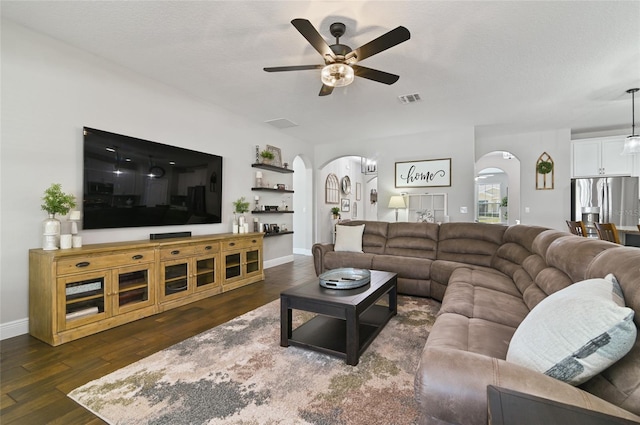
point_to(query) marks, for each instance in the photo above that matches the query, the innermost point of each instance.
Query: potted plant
(55, 201)
(240, 206)
(503, 207)
(267, 156)
(336, 212)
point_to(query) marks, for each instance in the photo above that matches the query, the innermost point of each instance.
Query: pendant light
(632, 142)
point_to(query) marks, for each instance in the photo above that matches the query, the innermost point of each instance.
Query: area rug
(237, 373)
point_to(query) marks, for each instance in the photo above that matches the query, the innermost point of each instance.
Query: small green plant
(267, 154)
(241, 205)
(505, 201)
(335, 211)
(545, 167)
(56, 201)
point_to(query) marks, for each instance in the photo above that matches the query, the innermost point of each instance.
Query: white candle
(258, 174)
(257, 198)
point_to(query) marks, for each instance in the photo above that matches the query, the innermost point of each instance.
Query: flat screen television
(130, 182)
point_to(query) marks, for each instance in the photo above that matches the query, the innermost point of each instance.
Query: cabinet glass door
(82, 300)
(206, 272)
(176, 278)
(232, 266)
(253, 262)
(133, 288)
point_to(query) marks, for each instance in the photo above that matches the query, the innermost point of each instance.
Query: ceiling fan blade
(375, 75)
(314, 38)
(382, 43)
(325, 90)
(293, 68)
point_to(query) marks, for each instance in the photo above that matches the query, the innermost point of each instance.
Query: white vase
(50, 233)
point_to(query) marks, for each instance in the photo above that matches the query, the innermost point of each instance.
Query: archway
(497, 188)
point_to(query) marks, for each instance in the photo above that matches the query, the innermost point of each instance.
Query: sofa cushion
(336, 260)
(407, 267)
(470, 243)
(412, 240)
(575, 333)
(349, 238)
(374, 237)
(489, 296)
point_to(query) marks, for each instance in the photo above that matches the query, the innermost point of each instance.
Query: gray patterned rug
(237, 373)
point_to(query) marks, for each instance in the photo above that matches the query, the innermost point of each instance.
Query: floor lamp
(397, 202)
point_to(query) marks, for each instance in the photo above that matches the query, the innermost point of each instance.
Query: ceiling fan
(340, 60)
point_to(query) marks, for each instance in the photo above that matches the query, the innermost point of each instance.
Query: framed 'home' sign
(427, 173)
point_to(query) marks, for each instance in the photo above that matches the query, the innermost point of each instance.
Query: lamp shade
(397, 201)
(631, 145)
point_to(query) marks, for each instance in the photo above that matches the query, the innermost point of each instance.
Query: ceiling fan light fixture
(337, 75)
(632, 142)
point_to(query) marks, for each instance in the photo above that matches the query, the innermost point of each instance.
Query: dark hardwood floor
(35, 377)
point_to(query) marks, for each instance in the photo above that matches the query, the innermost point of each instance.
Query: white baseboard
(277, 261)
(15, 328)
(302, 251)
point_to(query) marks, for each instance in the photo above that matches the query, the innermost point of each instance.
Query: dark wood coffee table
(347, 320)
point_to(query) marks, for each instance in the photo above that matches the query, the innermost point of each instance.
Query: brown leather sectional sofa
(488, 278)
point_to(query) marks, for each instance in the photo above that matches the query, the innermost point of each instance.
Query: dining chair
(608, 232)
(577, 228)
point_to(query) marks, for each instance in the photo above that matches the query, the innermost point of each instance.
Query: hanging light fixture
(632, 142)
(337, 75)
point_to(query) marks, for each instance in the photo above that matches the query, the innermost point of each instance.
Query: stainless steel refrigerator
(605, 200)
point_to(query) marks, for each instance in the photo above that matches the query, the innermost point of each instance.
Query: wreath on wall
(545, 167)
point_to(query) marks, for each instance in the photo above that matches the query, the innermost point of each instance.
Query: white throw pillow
(349, 238)
(575, 333)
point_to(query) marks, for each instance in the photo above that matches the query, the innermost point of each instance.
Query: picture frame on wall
(424, 173)
(358, 191)
(277, 155)
(346, 205)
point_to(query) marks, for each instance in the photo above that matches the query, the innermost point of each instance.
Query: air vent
(409, 98)
(281, 123)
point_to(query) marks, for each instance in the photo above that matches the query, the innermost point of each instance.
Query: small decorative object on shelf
(54, 202)
(267, 156)
(335, 211)
(258, 178)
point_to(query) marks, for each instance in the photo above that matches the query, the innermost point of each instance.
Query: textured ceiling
(499, 66)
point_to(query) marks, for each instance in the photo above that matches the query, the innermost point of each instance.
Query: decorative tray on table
(345, 278)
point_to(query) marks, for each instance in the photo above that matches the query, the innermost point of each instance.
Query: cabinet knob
(175, 252)
(208, 247)
(83, 264)
(232, 244)
(137, 257)
(253, 241)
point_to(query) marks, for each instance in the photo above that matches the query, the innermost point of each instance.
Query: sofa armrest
(451, 386)
(318, 250)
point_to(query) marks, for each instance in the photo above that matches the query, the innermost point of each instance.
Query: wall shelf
(272, 168)
(272, 212)
(288, 232)
(269, 189)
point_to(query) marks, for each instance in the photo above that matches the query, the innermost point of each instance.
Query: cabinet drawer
(239, 243)
(207, 248)
(83, 264)
(178, 251)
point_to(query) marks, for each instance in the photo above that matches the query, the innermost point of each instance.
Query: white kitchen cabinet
(600, 156)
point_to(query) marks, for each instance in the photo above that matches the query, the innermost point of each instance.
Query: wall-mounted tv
(130, 182)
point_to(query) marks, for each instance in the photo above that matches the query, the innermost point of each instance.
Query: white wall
(549, 208)
(457, 144)
(49, 92)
